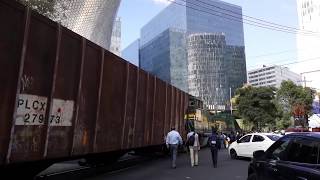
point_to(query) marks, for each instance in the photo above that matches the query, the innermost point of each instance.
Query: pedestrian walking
(232, 137)
(213, 142)
(221, 139)
(173, 140)
(227, 141)
(238, 136)
(194, 146)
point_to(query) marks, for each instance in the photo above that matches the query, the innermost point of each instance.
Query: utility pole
(307, 72)
(230, 101)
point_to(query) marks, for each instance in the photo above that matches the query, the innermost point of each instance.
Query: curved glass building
(208, 68)
(92, 19)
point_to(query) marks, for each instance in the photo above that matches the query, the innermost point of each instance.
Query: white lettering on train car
(61, 112)
(31, 110)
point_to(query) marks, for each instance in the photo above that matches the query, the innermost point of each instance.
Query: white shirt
(173, 137)
(196, 138)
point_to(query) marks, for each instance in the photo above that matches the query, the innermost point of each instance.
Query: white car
(249, 143)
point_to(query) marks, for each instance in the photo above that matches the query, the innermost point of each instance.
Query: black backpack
(190, 140)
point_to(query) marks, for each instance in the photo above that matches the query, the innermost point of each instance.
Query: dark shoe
(174, 167)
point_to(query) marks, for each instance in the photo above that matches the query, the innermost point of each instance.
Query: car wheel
(252, 176)
(233, 154)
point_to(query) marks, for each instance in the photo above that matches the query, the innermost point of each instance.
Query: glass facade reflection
(207, 68)
(166, 56)
(174, 46)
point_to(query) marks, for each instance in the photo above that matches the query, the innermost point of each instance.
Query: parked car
(247, 144)
(294, 156)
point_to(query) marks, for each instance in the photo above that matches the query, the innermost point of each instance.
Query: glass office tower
(208, 68)
(165, 57)
(164, 50)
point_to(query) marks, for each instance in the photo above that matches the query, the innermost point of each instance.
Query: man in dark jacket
(213, 143)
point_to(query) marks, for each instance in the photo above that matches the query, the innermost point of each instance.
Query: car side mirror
(259, 154)
(238, 141)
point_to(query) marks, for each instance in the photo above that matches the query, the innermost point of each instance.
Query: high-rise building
(308, 45)
(166, 57)
(163, 48)
(92, 19)
(272, 76)
(131, 52)
(115, 46)
(208, 68)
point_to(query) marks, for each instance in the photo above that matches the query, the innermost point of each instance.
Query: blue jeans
(173, 153)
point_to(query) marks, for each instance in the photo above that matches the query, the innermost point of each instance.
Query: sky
(263, 46)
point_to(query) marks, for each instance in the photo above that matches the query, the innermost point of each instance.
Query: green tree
(291, 98)
(256, 106)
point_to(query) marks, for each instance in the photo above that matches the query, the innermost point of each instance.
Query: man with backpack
(194, 146)
(214, 143)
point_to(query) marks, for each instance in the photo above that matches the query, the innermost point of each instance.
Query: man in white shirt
(173, 140)
(194, 148)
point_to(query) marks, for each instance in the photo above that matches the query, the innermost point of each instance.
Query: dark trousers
(214, 155)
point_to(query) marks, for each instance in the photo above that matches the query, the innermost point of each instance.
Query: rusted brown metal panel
(149, 111)
(50, 102)
(166, 121)
(177, 110)
(186, 104)
(173, 101)
(66, 83)
(36, 80)
(152, 123)
(169, 109)
(93, 143)
(181, 114)
(130, 107)
(141, 110)
(87, 102)
(110, 121)
(159, 117)
(179, 120)
(11, 40)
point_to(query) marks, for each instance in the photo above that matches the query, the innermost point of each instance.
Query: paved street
(160, 169)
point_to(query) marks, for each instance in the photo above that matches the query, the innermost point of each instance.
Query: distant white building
(308, 45)
(272, 76)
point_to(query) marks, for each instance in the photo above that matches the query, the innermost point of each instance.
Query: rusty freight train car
(63, 97)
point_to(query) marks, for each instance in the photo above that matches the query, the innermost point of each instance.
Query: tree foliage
(292, 99)
(268, 107)
(256, 105)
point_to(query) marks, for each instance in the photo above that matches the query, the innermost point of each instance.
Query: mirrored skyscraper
(208, 68)
(196, 46)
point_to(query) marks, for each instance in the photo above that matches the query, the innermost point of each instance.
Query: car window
(304, 150)
(245, 139)
(278, 151)
(273, 137)
(257, 138)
